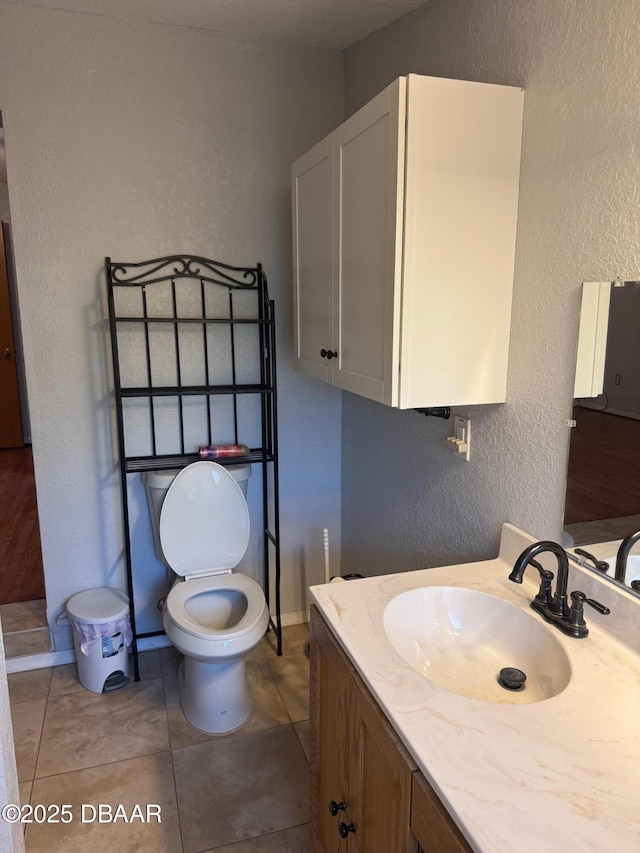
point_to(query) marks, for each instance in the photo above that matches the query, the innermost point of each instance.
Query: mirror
(602, 502)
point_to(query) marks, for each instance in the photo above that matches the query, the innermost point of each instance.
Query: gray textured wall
(138, 140)
(407, 502)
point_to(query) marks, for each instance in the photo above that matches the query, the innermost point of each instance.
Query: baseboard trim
(295, 618)
(610, 410)
(148, 644)
(24, 663)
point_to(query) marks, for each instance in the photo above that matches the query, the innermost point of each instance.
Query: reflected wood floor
(603, 478)
(21, 573)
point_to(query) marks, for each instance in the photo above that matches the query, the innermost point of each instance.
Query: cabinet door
(461, 204)
(312, 187)
(331, 687)
(368, 202)
(430, 822)
(380, 773)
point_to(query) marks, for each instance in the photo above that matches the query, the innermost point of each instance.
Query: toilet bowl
(213, 616)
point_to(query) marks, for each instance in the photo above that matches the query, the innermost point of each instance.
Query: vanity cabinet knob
(326, 353)
(334, 807)
(345, 828)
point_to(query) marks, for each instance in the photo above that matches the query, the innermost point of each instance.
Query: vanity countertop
(557, 775)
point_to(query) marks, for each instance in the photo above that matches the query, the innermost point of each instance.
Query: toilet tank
(156, 484)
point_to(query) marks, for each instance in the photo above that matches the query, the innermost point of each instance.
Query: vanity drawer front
(431, 824)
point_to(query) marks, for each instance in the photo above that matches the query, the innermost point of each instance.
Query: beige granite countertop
(558, 775)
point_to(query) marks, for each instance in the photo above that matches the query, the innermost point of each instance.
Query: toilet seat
(204, 521)
(204, 533)
(213, 617)
(183, 592)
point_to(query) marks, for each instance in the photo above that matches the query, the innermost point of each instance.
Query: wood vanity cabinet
(404, 223)
(356, 760)
(361, 770)
(430, 821)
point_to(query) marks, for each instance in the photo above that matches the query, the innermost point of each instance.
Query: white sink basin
(461, 638)
(632, 572)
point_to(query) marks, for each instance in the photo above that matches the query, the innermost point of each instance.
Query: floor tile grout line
(282, 696)
(102, 764)
(221, 738)
(162, 675)
(175, 791)
(251, 838)
(300, 739)
(35, 766)
(211, 737)
(282, 699)
(31, 698)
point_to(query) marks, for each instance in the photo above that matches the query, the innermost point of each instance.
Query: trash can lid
(98, 605)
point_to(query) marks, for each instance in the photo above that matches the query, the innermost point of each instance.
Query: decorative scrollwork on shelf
(182, 266)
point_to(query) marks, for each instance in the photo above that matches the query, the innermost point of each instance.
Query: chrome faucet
(554, 609)
(623, 552)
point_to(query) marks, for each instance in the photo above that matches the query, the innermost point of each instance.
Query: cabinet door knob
(334, 807)
(345, 828)
(326, 353)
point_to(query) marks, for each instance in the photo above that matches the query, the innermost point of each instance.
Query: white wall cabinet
(404, 225)
(592, 339)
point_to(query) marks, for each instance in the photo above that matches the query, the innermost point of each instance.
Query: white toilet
(212, 616)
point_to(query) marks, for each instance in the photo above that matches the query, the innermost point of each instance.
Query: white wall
(11, 834)
(406, 501)
(136, 140)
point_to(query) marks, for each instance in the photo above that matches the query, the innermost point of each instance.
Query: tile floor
(24, 627)
(246, 792)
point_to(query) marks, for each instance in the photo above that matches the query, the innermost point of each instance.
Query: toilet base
(215, 697)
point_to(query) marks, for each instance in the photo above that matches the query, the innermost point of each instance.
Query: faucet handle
(600, 565)
(544, 595)
(578, 600)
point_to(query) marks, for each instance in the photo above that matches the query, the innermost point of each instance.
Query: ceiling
(329, 24)
(332, 24)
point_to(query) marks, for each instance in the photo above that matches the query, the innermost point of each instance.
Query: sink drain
(511, 678)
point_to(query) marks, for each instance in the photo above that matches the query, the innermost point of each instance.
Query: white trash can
(101, 633)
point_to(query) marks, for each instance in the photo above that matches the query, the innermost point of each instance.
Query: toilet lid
(204, 521)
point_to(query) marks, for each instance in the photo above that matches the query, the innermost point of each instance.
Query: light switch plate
(462, 434)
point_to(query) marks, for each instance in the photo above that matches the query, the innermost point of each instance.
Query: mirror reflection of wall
(603, 479)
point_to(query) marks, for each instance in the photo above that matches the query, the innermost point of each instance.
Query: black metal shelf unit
(192, 339)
